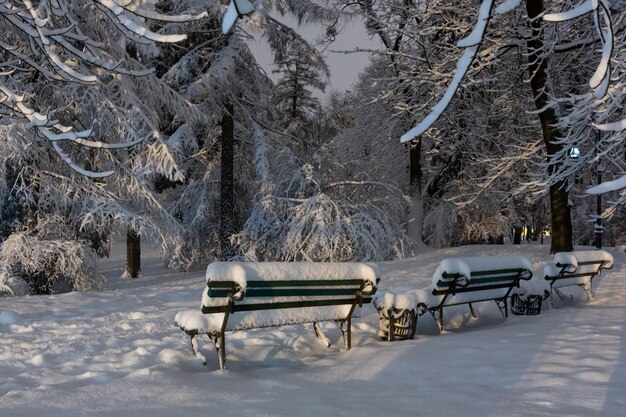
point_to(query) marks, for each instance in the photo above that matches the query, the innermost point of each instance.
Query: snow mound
(402, 301)
(171, 356)
(9, 317)
(190, 320)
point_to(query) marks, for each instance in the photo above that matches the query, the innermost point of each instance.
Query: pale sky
(344, 67)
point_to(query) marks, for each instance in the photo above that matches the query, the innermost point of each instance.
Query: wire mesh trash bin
(528, 304)
(397, 315)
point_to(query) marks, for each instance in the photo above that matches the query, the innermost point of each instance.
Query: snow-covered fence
(576, 268)
(246, 295)
(476, 279)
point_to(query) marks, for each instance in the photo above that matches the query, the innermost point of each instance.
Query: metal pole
(598, 225)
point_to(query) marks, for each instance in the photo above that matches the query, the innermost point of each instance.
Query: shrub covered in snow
(29, 265)
(319, 212)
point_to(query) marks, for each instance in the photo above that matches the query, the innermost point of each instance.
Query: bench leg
(195, 350)
(439, 318)
(219, 341)
(320, 334)
(587, 288)
(562, 296)
(392, 321)
(346, 331)
(472, 311)
(503, 307)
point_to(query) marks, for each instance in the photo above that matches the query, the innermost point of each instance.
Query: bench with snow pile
(576, 268)
(477, 279)
(247, 295)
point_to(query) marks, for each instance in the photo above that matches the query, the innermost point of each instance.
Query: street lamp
(597, 228)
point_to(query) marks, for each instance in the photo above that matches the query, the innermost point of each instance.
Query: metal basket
(397, 324)
(529, 305)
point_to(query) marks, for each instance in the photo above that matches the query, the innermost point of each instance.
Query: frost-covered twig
(47, 39)
(471, 44)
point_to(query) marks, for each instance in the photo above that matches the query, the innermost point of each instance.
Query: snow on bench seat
(577, 268)
(257, 282)
(247, 295)
(476, 279)
(195, 320)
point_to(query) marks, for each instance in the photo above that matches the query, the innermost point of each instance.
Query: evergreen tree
(302, 69)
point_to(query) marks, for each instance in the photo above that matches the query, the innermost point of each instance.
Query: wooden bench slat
(473, 282)
(278, 284)
(576, 268)
(306, 283)
(300, 292)
(221, 284)
(287, 292)
(560, 265)
(472, 289)
(280, 305)
(248, 287)
(515, 271)
(582, 274)
(591, 262)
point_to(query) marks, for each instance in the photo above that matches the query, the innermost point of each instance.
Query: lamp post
(597, 228)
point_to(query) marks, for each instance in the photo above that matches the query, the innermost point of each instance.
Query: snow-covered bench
(471, 280)
(247, 295)
(576, 268)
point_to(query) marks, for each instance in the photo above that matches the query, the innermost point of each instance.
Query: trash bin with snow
(528, 298)
(397, 314)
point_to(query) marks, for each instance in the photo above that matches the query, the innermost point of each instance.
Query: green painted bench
(242, 295)
(475, 279)
(577, 268)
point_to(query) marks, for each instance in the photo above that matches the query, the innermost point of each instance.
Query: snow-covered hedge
(319, 212)
(29, 265)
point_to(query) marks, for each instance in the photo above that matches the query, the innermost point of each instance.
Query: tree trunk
(517, 234)
(133, 253)
(416, 210)
(33, 205)
(537, 66)
(227, 192)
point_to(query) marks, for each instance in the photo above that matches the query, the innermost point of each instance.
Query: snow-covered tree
(400, 81)
(85, 96)
(594, 124)
(65, 42)
(222, 78)
(35, 266)
(319, 212)
(553, 73)
(301, 68)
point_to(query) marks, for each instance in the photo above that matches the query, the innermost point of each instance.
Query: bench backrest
(577, 267)
(465, 280)
(276, 293)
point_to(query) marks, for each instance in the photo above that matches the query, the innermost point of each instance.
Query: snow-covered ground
(118, 353)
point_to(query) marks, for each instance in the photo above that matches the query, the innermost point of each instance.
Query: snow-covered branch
(66, 42)
(471, 44)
